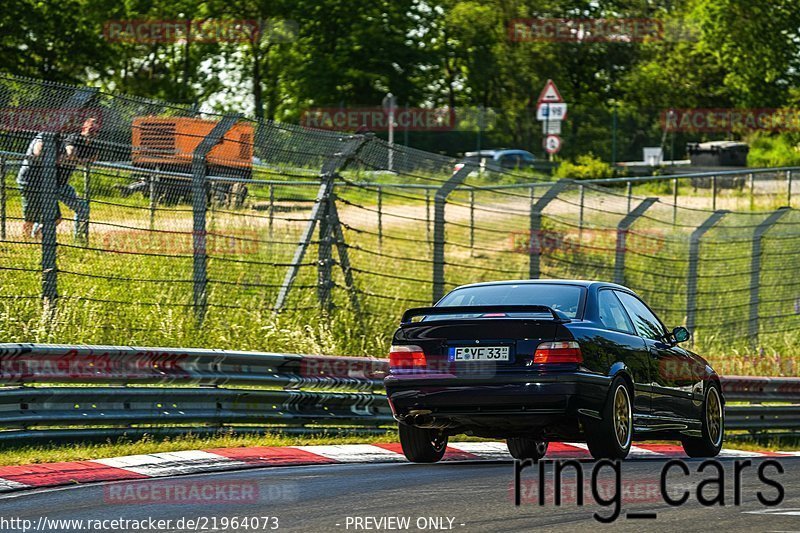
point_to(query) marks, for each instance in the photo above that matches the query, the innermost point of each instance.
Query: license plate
(478, 353)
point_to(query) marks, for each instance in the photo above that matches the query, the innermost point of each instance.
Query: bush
(773, 150)
(585, 167)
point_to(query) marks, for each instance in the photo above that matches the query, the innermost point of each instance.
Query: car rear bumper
(510, 405)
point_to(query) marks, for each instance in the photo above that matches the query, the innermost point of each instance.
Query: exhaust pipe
(421, 419)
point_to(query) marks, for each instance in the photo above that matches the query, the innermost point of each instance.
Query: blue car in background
(499, 160)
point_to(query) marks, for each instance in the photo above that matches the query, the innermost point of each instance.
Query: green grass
(57, 452)
(124, 298)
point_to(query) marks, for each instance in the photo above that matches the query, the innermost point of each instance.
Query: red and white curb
(131, 467)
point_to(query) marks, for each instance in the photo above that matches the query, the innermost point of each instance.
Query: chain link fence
(184, 221)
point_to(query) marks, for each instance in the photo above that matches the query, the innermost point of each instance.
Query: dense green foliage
(458, 53)
(585, 167)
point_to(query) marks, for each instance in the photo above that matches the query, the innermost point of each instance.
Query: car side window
(612, 314)
(647, 324)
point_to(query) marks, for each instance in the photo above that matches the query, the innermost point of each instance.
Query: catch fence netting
(178, 222)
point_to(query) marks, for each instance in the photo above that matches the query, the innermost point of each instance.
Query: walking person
(76, 149)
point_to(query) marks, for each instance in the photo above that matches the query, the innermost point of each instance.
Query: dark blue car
(539, 361)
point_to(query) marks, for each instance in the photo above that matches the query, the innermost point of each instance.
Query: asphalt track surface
(461, 496)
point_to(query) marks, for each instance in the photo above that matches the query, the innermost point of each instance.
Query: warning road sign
(550, 94)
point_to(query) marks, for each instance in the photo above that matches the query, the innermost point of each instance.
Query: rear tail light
(407, 357)
(558, 352)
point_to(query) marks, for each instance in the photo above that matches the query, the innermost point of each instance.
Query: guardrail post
(199, 207)
(755, 270)
(622, 233)
(49, 216)
(534, 244)
(438, 225)
(694, 259)
(321, 208)
(2, 198)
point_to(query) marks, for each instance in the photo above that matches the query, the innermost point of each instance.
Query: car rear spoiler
(480, 309)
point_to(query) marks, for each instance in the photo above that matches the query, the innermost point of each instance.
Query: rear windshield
(563, 298)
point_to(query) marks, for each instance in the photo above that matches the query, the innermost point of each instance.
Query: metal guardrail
(99, 392)
(95, 392)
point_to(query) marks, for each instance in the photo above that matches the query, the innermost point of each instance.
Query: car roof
(579, 282)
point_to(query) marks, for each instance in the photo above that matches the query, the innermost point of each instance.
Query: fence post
(471, 223)
(440, 199)
(325, 246)
(622, 233)
(271, 209)
(534, 245)
(428, 214)
(755, 270)
(751, 177)
(321, 208)
(629, 188)
(713, 192)
(380, 218)
(580, 213)
(49, 215)
(694, 260)
(789, 188)
(153, 186)
(199, 206)
(2, 198)
(674, 201)
(83, 229)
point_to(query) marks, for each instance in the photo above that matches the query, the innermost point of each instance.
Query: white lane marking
(786, 512)
(739, 453)
(581, 445)
(484, 450)
(169, 463)
(7, 484)
(354, 453)
(638, 451)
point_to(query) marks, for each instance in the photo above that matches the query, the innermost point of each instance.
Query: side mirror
(681, 334)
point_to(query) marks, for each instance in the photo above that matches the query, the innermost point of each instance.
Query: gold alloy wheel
(622, 416)
(714, 415)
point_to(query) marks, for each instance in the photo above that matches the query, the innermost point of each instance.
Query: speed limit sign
(552, 144)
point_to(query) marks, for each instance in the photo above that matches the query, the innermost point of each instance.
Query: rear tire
(422, 445)
(713, 427)
(610, 438)
(526, 448)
